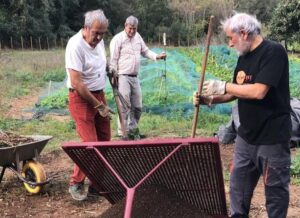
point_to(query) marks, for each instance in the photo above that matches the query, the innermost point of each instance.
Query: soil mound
(8, 139)
(155, 202)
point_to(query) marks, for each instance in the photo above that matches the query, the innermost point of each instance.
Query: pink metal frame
(130, 191)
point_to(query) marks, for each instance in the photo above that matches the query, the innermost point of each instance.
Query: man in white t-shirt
(126, 49)
(86, 75)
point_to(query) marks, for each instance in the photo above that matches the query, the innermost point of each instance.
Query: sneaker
(134, 134)
(77, 192)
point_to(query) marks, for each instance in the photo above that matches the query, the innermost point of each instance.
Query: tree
(262, 9)
(285, 23)
(152, 14)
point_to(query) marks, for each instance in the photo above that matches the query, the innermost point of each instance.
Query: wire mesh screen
(193, 172)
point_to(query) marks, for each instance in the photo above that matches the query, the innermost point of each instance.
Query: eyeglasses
(97, 33)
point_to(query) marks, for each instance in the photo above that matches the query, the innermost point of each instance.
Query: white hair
(92, 16)
(242, 21)
(132, 20)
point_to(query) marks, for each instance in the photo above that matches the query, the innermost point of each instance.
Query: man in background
(126, 49)
(86, 74)
(261, 85)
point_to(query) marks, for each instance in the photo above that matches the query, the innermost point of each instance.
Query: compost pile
(158, 202)
(8, 139)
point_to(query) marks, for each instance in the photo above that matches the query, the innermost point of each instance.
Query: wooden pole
(47, 43)
(11, 43)
(204, 62)
(22, 42)
(62, 43)
(40, 46)
(31, 45)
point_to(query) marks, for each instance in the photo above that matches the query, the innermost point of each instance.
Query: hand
(104, 110)
(214, 87)
(162, 55)
(201, 99)
(113, 76)
(112, 72)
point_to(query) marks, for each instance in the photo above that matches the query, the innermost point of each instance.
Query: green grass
(21, 72)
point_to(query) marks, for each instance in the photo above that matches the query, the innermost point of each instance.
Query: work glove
(201, 99)
(104, 110)
(214, 87)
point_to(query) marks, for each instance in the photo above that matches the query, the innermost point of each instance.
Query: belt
(95, 92)
(130, 75)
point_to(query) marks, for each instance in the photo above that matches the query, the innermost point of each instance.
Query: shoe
(77, 192)
(134, 134)
(142, 136)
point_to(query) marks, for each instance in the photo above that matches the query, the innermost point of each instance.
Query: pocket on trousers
(277, 172)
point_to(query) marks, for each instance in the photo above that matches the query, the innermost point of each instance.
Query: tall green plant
(285, 22)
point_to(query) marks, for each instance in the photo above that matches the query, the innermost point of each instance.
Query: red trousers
(90, 125)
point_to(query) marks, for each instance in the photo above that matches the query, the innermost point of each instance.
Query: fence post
(40, 43)
(0, 45)
(22, 42)
(11, 43)
(47, 43)
(62, 43)
(31, 45)
(159, 38)
(55, 43)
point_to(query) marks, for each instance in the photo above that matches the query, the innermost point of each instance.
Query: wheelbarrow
(32, 173)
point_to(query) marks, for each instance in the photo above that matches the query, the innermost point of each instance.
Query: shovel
(119, 99)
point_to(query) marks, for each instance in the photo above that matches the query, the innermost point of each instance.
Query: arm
(248, 91)
(114, 48)
(146, 52)
(222, 98)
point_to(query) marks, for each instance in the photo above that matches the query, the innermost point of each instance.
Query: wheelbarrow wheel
(34, 172)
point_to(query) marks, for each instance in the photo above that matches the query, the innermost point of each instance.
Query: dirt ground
(55, 200)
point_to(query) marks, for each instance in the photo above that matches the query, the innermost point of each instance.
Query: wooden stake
(22, 43)
(31, 45)
(204, 62)
(47, 43)
(40, 43)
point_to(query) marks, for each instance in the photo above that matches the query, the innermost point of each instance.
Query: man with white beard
(261, 86)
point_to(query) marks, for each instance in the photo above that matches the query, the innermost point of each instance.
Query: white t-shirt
(90, 62)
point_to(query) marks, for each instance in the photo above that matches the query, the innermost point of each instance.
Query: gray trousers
(130, 89)
(249, 163)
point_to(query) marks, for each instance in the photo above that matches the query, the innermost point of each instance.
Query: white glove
(200, 99)
(214, 87)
